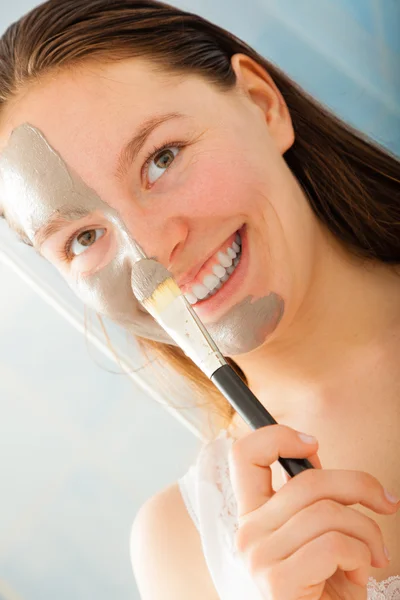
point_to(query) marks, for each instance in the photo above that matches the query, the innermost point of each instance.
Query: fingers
(250, 458)
(301, 574)
(312, 522)
(296, 539)
(344, 486)
(314, 460)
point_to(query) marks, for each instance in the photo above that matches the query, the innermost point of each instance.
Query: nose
(161, 239)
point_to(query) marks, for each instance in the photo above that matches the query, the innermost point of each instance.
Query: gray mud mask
(37, 186)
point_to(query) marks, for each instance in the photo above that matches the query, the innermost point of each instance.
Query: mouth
(216, 276)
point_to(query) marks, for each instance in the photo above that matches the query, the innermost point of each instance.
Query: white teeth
(236, 247)
(191, 298)
(200, 290)
(219, 271)
(224, 259)
(210, 281)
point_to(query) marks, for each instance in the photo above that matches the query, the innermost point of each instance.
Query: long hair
(351, 183)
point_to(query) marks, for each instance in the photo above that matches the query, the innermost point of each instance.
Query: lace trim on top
(388, 589)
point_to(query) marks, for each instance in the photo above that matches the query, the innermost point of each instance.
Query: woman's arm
(166, 554)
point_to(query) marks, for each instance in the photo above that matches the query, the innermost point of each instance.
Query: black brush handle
(252, 411)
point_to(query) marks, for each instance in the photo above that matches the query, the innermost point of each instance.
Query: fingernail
(391, 498)
(387, 553)
(308, 439)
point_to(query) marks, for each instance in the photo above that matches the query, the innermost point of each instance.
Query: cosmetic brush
(155, 288)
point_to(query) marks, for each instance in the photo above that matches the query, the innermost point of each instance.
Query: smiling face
(120, 151)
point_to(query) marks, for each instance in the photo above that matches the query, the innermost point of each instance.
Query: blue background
(70, 431)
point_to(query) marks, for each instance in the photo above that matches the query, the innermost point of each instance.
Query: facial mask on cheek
(36, 186)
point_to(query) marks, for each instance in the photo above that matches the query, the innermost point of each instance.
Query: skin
(238, 328)
(39, 186)
(329, 364)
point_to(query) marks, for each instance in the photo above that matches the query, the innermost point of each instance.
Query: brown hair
(351, 182)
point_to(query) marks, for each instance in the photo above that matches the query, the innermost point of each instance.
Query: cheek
(219, 186)
(108, 291)
(110, 294)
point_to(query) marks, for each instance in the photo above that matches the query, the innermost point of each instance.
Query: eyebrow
(67, 214)
(133, 147)
(62, 217)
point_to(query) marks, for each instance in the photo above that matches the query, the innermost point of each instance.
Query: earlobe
(258, 86)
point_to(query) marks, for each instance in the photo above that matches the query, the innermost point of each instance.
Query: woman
(131, 118)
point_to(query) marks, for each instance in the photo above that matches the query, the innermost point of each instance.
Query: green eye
(161, 162)
(164, 159)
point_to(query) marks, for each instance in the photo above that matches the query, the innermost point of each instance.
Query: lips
(186, 281)
(216, 306)
(206, 284)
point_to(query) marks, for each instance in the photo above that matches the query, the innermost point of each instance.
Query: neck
(349, 316)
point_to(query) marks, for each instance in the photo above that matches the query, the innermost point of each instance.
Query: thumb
(314, 460)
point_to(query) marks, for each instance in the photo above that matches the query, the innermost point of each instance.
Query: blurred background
(83, 444)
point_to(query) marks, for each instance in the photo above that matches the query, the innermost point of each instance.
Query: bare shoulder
(166, 554)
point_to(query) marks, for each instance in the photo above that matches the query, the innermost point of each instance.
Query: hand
(304, 541)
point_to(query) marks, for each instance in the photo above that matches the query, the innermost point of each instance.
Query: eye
(159, 162)
(83, 241)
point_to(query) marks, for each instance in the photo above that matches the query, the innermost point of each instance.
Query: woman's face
(210, 171)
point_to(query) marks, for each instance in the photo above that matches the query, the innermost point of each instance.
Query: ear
(258, 86)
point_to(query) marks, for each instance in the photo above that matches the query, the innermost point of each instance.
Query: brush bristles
(162, 296)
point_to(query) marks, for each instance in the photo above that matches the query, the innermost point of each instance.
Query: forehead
(36, 184)
(89, 113)
(86, 114)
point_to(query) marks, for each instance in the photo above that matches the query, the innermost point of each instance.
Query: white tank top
(208, 495)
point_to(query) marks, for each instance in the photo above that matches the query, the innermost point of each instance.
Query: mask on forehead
(36, 186)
